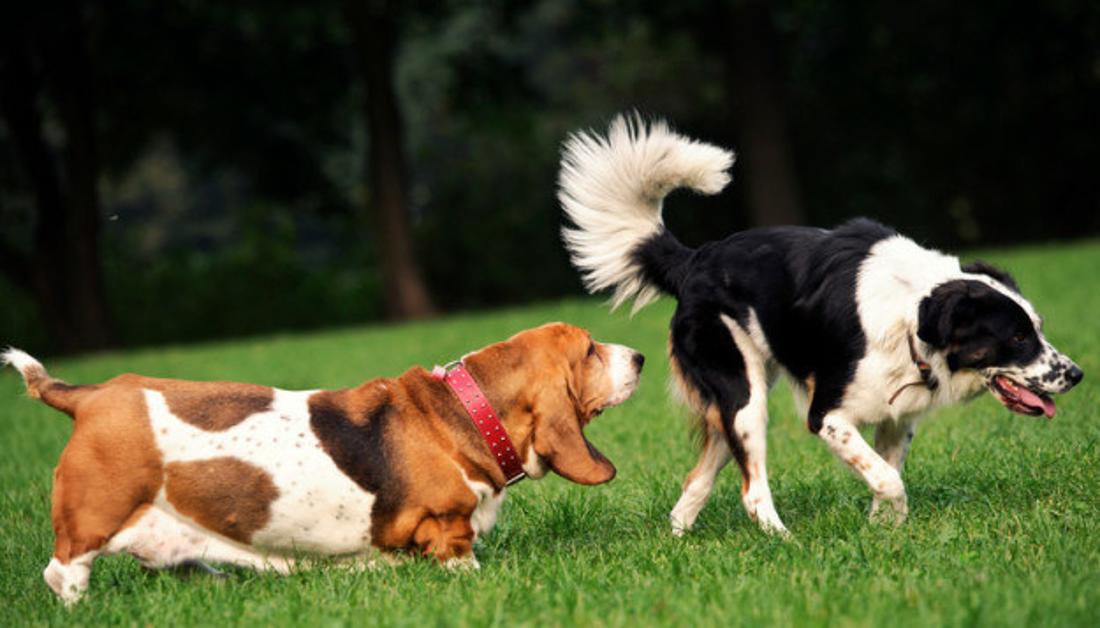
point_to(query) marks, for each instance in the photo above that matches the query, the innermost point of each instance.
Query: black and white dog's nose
(639, 360)
(1074, 375)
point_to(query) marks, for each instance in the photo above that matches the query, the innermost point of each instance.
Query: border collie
(869, 326)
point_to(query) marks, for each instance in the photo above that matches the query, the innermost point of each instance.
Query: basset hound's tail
(53, 392)
(612, 188)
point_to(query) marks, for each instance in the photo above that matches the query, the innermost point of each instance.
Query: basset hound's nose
(639, 360)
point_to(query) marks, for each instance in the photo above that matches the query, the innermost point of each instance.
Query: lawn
(1004, 525)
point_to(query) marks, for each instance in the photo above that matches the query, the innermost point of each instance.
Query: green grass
(1004, 525)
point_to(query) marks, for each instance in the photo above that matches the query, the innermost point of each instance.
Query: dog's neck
(918, 364)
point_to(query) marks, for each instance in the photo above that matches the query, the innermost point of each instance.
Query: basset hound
(175, 471)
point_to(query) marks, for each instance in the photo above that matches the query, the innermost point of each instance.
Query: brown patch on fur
(708, 436)
(706, 416)
(756, 470)
(109, 471)
(445, 537)
(688, 394)
(215, 406)
(226, 495)
(751, 473)
(712, 418)
(64, 397)
(690, 477)
(810, 383)
(857, 462)
(53, 392)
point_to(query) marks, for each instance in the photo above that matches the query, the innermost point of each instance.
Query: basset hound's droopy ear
(560, 441)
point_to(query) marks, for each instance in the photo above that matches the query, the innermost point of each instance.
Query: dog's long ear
(978, 267)
(949, 315)
(938, 312)
(560, 441)
(949, 312)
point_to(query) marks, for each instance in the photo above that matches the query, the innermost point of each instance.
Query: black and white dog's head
(983, 324)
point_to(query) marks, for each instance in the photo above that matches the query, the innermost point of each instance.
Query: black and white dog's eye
(1019, 338)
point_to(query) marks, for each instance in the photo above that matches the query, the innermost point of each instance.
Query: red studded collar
(485, 419)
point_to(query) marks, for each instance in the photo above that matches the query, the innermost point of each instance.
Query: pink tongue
(1048, 408)
(1035, 401)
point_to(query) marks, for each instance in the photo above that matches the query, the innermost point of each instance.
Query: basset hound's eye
(591, 349)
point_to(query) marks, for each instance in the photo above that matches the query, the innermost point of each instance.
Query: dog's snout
(1074, 375)
(639, 360)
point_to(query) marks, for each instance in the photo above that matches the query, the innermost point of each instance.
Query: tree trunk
(755, 90)
(374, 35)
(64, 267)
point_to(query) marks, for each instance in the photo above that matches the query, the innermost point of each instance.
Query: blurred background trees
(174, 171)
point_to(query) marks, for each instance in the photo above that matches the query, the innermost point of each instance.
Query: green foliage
(958, 124)
(261, 283)
(1004, 530)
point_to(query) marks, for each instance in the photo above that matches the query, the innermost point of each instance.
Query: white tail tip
(21, 360)
(612, 188)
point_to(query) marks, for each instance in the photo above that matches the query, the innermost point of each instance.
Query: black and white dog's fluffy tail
(612, 189)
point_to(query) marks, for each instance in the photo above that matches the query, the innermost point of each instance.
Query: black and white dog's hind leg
(699, 484)
(725, 377)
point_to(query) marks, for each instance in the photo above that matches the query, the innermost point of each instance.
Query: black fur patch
(712, 365)
(979, 267)
(800, 282)
(359, 447)
(664, 261)
(979, 326)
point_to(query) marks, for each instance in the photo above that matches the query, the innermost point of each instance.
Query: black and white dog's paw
(889, 511)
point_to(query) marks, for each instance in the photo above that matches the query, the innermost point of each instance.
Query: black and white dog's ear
(978, 267)
(950, 311)
(937, 314)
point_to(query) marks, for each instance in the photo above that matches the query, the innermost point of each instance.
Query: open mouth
(1020, 399)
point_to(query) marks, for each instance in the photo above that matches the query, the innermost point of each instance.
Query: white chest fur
(896, 275)
(484, 516)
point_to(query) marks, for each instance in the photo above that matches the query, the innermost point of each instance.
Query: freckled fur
(172, 471)
(216, 406)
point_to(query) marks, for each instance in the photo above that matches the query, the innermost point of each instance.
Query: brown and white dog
(175, 471)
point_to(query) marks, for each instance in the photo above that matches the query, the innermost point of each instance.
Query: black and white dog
(869, 326)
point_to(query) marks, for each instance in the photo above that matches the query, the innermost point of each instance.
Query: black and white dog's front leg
(882, 477)
(892, 440)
